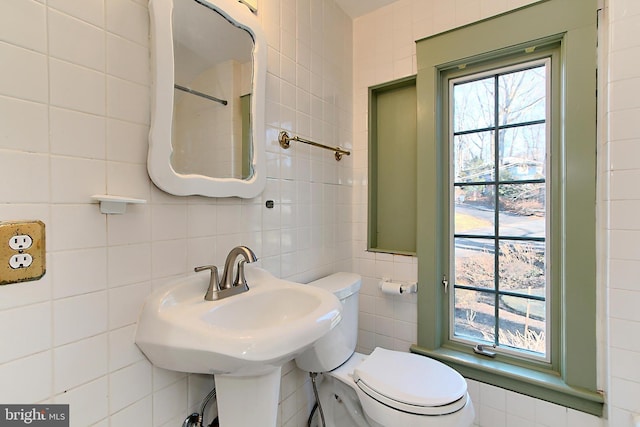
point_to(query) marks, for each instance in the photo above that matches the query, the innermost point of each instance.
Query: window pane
(473, 105)
(522, 324)
(477, 196)
(522, 152)
(473, 157)
(474, 263)
(522, 96)
(472, 218)
(522, 210)
(475, 315)
(522, 267)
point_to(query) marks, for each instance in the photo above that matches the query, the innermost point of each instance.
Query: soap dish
(115, 204)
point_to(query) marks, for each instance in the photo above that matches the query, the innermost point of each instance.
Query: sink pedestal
(248, 401)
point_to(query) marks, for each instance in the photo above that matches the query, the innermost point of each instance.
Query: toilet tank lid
(340, 284)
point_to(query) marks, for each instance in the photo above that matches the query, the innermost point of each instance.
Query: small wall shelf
(115, 204)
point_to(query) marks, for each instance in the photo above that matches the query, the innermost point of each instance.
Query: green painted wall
(394, 169)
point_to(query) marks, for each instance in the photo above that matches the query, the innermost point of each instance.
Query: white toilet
(385, 389)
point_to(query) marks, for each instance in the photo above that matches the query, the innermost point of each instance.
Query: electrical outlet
(22, 251)
(20, 261)
(20, 242)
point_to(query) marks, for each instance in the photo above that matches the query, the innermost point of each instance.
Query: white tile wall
(74, 119)
(621, 167)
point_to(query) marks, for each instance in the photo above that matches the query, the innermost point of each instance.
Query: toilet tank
(333, 349)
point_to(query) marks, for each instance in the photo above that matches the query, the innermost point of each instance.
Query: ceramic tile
(549, 414)
(492, 417)
(127, 60)
(125, 303)
(87, 403)
(288, 70)
(623, 274)
(91, 308)
(91, 11)
(75, 41)
(624, 63)
(78, 272)
(203, 251)
(623, 33)
(13, 166)
(128, 19)
(623, 155)
(580, 419)
(65, 185)
(23, 125)
(493, 397)
(31, 320)
(76, 227)
(620, 94)
(162, 218)
(80, 362)
(169, 402)
(24, 73)
(141, 411)
(23, 23)
(76, 87)
(129, 385)
(624, 304)
(129, 180)
(127, 101)
(122, 349)
(168, 258)
(132, 228)
(77, 134)
(623, 245)
(30, 379)
(24, 294)
(127, 142)
(623, 393)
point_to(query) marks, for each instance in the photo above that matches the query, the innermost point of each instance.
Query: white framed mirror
(207, 114)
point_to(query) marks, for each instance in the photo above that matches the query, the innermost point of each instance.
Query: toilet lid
(411, 383)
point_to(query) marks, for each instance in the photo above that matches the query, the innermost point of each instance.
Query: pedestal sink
(243, 340)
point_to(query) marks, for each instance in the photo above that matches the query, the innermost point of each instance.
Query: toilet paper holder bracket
(404, 287)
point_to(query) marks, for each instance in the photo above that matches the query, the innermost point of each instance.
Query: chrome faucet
(248, 255)
(227, 287)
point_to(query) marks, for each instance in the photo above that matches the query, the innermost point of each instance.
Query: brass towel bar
(285, 142)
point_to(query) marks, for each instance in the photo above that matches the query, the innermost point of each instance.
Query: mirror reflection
(211, 123)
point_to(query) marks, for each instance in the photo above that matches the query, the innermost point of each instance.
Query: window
(499, 134)
(506, 201)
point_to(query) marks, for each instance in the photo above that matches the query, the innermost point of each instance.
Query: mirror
(207, 116)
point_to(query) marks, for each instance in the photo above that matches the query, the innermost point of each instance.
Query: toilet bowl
(386, 388)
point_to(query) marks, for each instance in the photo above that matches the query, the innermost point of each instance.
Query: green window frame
(566, 29)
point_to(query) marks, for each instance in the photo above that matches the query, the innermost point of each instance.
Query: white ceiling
(355, 8)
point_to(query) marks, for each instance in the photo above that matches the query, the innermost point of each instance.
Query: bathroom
(75, 86)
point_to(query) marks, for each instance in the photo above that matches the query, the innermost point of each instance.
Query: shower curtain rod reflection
(200, 94)
(285, 142)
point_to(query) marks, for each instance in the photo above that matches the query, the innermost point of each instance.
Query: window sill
(538, 384)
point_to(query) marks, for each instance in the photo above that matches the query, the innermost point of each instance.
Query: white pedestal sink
(243, 340)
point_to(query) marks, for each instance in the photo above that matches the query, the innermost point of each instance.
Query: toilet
(386, 388)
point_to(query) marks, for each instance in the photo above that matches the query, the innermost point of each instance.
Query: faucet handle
(214, 283)
(240, 278)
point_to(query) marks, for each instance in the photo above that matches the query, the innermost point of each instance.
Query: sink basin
(248, 334)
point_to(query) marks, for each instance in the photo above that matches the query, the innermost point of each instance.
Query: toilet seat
(411, 383)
